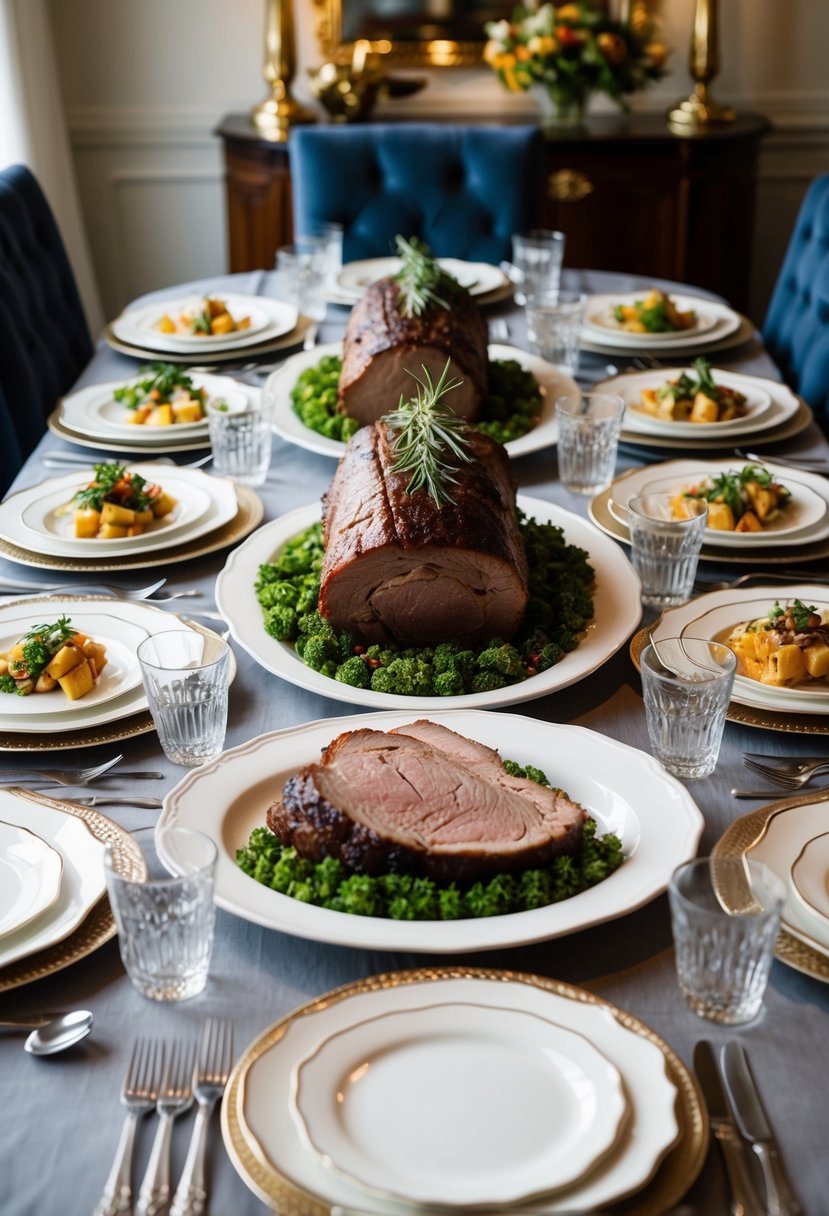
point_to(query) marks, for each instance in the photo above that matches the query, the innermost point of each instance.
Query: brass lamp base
(699, 110)
(275, 116)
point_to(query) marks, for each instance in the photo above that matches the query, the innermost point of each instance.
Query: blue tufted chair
(44, 339)
(462, 189)
(796, 329)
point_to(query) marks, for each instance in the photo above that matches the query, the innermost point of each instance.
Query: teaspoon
(52, 1032)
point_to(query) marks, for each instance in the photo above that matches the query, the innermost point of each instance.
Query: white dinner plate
(783, 839)
(629, 386)
(626, 791)
(30, 874)
(120, 674)
(714, 321)
(617, 611)
(803, 521)
(93, 411)
(133, 616)
(204, 503)
(479, 278)
(82, 883)
(286, 423)
(263, 1109)
(269, 319)
(810, 877)
(559, 1111)
(717, 613)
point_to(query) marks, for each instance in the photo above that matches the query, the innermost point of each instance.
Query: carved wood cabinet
(629, 194)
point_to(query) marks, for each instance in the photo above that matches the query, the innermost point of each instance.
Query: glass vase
(559, 109)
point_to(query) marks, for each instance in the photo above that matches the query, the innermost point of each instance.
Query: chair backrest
(11, 454)
(796, 329)
(45, 340)
(462, 189)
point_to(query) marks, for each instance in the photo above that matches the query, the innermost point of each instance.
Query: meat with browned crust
(399, 567)
(382, 347)
(423, 800)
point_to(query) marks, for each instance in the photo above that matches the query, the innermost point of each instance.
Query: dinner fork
(788, 781)
(67, 776)
(215, 1059)
(806, 464)
(703, 585)
(71, 460)
(14, 587)
(139, 1095)
(174, 1098)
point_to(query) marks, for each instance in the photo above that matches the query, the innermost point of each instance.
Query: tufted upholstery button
(464, 190)
(46, 341)
(796, 329)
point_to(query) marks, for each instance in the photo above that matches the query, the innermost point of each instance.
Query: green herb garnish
(422, 281)
(800, 614)
(103, 489)
(39, 646)
(163, 378)
(428, 436)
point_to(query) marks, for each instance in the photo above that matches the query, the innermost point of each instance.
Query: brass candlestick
(700, 110)
(279, 112)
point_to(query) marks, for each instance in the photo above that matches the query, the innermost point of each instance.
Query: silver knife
(744, 1198)
(43, 778)
(754, 1125)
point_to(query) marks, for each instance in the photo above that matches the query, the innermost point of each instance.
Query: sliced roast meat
(391, 802)
(382, 348)
(398, 567)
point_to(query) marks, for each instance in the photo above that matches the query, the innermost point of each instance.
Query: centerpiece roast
(408, 322)
(422, 799)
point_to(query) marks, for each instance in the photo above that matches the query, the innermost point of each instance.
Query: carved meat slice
(382, 347)
(397, 802)
(399, 567)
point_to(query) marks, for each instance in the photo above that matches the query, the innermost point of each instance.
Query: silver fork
(782, 764)
(139, 1094)
(787, 781)
(215, 1060)
(13, 587)
(174, 1098)
(55, 460)
(703, 585)
(64, 776)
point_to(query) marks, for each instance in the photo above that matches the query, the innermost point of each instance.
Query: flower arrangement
(571, 51)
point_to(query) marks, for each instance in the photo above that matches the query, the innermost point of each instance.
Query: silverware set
(73, 777)
(789, 774)
(741, 1128)
(167, 1079)
(151, 593)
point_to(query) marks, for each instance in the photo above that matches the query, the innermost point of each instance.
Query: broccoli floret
(279, 591)
(359, 895)
(492, 898)
(318, 651)
(7, 684)
(346, 643)
(449, 684)
(485, 681)
(406, 677)
(282, 623)
(383, 654)
(548, 656)
(450, 903)
(36, 656)
(381, 681)
(354, 672)
(328, 874)
(534, 889)
(503, 659)
(315, 625)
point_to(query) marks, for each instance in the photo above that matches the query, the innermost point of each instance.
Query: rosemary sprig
(428, 436)
(421, 280)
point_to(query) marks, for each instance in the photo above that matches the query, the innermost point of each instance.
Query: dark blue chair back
(796, 329)
(462, 189)
(11, 454)
(45, 340)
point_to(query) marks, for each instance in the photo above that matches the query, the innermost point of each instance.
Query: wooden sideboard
(629, 194)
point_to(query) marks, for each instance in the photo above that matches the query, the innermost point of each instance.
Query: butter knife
(744, 1198)
(754, 1125)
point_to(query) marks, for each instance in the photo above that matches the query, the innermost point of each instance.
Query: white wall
(146, 81)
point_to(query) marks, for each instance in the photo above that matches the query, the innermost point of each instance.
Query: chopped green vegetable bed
(510, 409)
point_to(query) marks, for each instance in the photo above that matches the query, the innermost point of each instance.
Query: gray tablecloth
(60, 1117)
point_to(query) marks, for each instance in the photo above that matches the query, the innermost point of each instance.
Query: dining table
(60, 1117)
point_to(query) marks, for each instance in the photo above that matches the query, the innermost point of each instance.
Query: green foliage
(106, 487)
(164, 378)
(430, 439)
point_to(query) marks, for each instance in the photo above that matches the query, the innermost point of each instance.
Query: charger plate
(249, 514)
(58, 426)
(743, 333)
(671, 1175)
(99, 925)
(738, 839)
(246, 353)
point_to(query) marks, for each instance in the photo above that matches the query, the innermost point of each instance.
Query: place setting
(670, 324)
(489, 284)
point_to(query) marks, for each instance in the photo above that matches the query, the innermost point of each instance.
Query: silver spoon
(52, 1031)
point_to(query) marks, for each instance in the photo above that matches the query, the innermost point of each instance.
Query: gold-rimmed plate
(246, 353)
(99, 925)
(298, 1187)
(706, 344)
(745, 832)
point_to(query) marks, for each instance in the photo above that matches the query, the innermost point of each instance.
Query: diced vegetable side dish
(210, 319)
(118, 503)
(656, 314)
(786, 647)
(745, 500)
(49, 656)
(693, 398)
(164, 396)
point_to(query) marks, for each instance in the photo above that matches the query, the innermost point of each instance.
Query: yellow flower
(542, 45)
(523, 53)
(510, 80)
(568, 12)
(657, 52)
(491, 51)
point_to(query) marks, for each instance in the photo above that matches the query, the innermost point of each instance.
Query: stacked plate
(552, 383)
(804, 709)
(273, 325)
(371, 1097)
(52, 906)
(92, 418)
(791, 838)
(37, 526)
(717, 327)
(116, 708)
(800, 530)
(773, 412)
(487, 283)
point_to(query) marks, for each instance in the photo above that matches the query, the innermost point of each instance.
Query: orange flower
(542, 45)
(613, 47)
(568, 36)
(569, 12)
